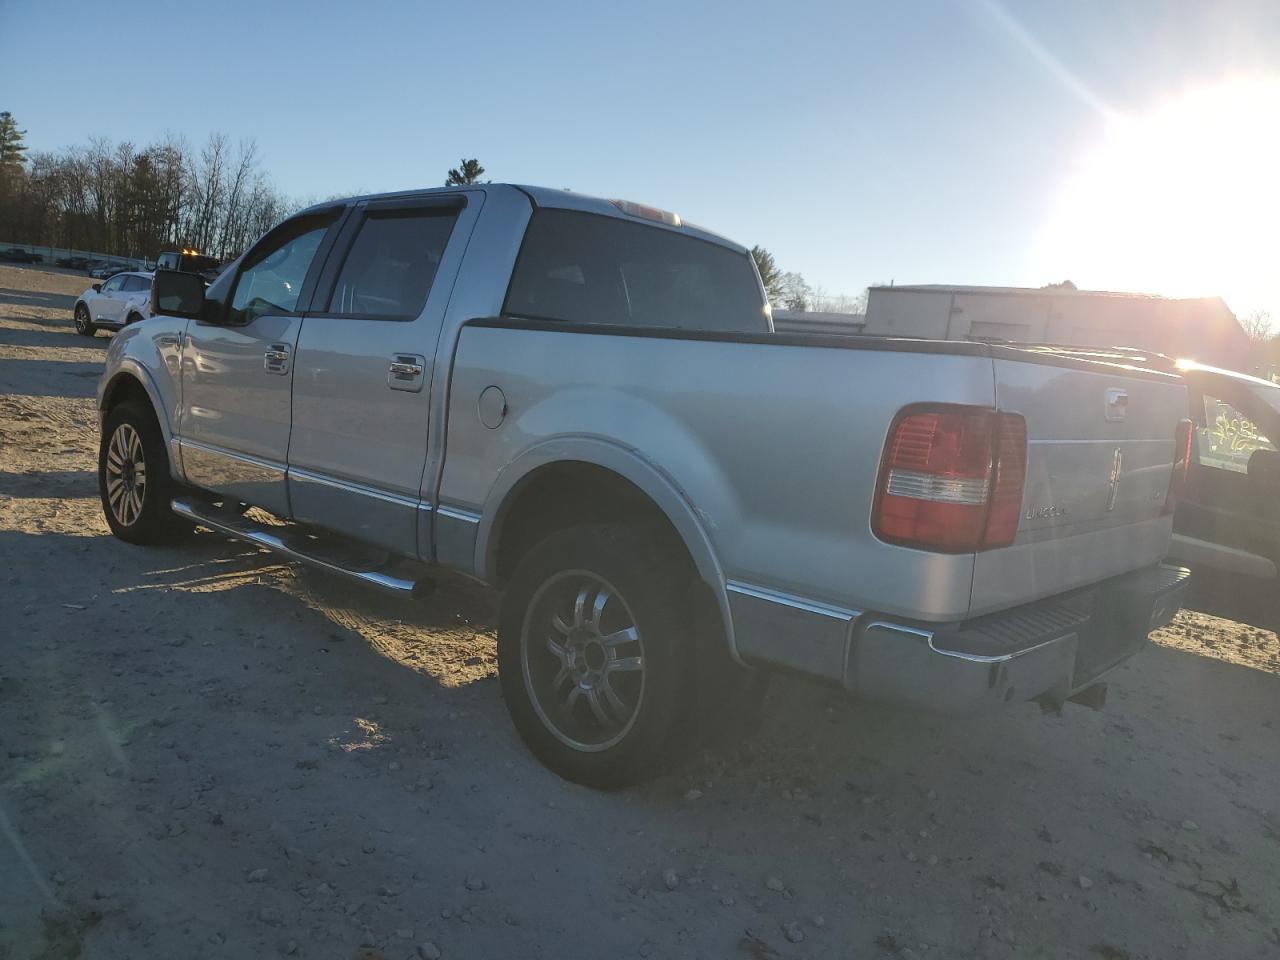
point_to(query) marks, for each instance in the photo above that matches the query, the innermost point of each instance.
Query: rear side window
(1228, 438)
(584, 268)
(392, 264)
(136, 284)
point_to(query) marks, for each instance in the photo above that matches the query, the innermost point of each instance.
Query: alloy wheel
(126, 474)
(583, 660)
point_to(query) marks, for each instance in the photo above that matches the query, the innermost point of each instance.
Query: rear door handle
(276, 359)
(407, 372)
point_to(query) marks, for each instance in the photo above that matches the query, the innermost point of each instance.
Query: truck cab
(190, 261)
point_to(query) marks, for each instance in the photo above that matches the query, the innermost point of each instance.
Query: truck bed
(775, 442)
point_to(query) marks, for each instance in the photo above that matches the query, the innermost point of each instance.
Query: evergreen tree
(470, 171)
(770, 275)
(11, 146)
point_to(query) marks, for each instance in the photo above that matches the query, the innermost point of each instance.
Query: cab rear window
(585, 268)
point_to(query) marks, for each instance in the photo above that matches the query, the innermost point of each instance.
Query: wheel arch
(131, 381)
(571, 481)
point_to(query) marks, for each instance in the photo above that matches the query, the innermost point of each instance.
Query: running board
(274, 539)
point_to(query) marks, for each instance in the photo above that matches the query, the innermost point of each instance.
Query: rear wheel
(595, 644)
(84, 326)
(134, 482)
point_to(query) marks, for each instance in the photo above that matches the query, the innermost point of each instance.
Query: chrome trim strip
(240, 529)
(1128, 441)
(347, 486)
(790, 600)
(928, 637)
(242, 457)
(458, 513)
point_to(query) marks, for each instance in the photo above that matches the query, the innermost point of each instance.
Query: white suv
(124, 298)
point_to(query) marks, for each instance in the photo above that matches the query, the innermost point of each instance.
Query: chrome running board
(284, 541)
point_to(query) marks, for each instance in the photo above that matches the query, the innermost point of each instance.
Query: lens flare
(1182, 201)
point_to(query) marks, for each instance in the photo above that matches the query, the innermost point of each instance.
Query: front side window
(113, 285)
(272, 280)
(1227, 438)
(585, 268)
(392, 263)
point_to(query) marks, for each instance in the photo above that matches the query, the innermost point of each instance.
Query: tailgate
(1100, 450)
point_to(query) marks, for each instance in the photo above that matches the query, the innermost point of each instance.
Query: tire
(596, 688)
(84, 326)
(136, 502)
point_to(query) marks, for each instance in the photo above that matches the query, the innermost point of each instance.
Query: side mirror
(175, 294)
(97, 288)
(1264, 468)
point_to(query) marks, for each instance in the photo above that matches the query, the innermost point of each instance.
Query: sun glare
(1182, 201)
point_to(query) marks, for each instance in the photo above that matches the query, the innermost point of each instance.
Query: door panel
(361, 396)
(235, 424)
(107, 306)
(1222, 503)
(238, 369)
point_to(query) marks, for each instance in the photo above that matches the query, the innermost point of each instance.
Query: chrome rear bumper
(1053, 647)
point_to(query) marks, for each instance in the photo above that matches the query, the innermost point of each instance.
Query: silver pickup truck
(583, 403)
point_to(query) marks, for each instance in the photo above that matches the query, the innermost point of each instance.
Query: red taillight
(951, 479)
(1181, 463)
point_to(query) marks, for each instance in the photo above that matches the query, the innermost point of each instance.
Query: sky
(1122, 145)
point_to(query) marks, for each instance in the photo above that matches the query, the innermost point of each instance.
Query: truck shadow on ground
(36, 298)
(49, 483)
(1234, 597)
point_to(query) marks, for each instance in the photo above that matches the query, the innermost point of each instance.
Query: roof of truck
(562, 199)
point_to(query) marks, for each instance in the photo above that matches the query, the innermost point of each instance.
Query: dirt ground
(207, 753)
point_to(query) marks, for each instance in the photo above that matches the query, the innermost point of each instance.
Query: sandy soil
(206, 753)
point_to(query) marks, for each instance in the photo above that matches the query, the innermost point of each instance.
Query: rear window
(392, 263)
(585, 268)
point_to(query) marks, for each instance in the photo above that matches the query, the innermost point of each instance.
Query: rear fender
(629, 465)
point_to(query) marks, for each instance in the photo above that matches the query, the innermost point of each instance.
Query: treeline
(791, 291)
(125, 200)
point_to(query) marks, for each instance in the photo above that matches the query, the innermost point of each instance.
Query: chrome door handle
(406, 372)
(276, 358)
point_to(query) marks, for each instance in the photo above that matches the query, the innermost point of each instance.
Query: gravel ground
(207, 753)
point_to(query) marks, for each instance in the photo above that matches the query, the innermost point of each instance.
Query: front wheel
(84, 326)
(595, 653)
(134, 482)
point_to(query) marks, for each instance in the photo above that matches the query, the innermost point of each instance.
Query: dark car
(15, 255)
(1228, 516)
(75, 263)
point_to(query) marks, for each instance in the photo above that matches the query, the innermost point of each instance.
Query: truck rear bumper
(1052, 647)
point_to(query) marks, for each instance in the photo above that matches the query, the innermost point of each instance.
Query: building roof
(949, 288)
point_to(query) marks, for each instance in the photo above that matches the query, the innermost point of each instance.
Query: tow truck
(190, 261)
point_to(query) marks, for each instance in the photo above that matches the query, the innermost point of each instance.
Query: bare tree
(1257, 326)
(122, 199)
(796, 292)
